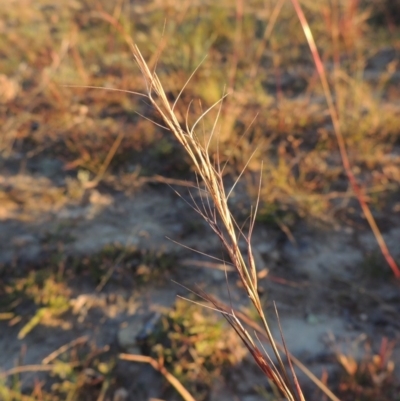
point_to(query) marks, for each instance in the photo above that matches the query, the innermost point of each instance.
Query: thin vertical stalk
(341, 143)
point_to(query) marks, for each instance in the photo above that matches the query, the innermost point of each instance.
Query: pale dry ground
(326, 302)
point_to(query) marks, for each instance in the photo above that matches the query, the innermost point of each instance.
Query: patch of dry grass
(263, 63)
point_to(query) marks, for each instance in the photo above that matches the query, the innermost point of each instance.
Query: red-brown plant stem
(340, 140)
(157, 365)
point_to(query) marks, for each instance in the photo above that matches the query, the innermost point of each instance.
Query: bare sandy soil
(327, 283)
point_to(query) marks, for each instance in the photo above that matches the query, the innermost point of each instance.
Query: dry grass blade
(25, 369)
(259, 330)
(340, 140)
(220, 219)
(263, 361)
(64, 348)
(159, 367)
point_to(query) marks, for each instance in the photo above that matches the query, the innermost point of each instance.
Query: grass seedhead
(215, 211)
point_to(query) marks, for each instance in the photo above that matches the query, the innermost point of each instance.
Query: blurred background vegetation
(255, 52)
